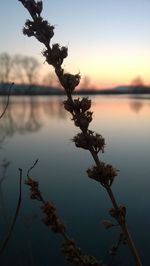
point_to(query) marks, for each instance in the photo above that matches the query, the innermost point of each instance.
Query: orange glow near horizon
(111, 47)
(109, 71)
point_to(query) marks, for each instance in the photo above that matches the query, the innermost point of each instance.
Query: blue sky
(108, 40)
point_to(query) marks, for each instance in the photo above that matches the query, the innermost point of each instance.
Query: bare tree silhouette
(5, 68)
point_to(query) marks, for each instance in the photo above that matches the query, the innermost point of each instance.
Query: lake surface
(39, 127)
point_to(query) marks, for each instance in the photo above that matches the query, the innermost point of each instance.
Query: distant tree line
(18, 68)
(24, 69)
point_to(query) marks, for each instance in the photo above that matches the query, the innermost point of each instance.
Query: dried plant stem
(52, 220)
(79, 109)
(131, 244)
(125, 230)
(9, 90)
(4, 244)
(68, 239)
(112, 197)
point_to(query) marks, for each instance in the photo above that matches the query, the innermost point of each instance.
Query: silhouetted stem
(122, 224)
(125, 230)
(69, 82)
(4, 244)
(9, 90)
(131, 244)
(67, 238)
(112, 197)
(63, 232)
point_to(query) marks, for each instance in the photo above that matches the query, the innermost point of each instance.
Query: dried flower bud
(64, 52)
(81, 141)
(28, 29)
(35, 194)
(82, 105)
(31, 182)
(51, 219)
(108, 224)
(96, 141)
(47, 29)
(33, 28)
(34, 189)
(85, 104)
(55, 55)
(82, 120)
(69, 82)
(27, 32)
(48, 207)
(68, 106)
(90, 140)
(46, 33)
(104, 173)
(119, 214)
(113, 251)
(74, 254)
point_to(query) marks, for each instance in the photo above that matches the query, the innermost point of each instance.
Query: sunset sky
(108, 40)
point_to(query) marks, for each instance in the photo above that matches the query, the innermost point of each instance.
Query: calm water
(38, 127)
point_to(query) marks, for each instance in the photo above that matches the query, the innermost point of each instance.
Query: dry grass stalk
(5, 241)
(7, 103)
(51, 219)
(79, 109)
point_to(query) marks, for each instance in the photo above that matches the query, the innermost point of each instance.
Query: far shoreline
(37, 90)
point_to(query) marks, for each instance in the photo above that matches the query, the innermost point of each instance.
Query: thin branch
(82, 117)
(4, 244)
(52, 220)
(29, 170)
(115, 248)
(9, 91)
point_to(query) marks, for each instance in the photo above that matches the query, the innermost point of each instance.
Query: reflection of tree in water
(2, 138)
(54, 108)
(4, 166)
(26, 115)
(138, 101)
(4, 211)
(33, 124)
(26, 250)
(136, 105)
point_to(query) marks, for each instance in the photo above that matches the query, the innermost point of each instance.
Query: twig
(79, 109)
(34, 164)
(9, 91)
(4, 244)
(115, 248)
(5, 164)
(52, 220)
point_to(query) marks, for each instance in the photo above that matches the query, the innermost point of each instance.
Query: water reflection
(138, 102)
(136, 106)
(3, 176)
(30, 114)
(27, 114)
(24, 256)
(116, 118)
